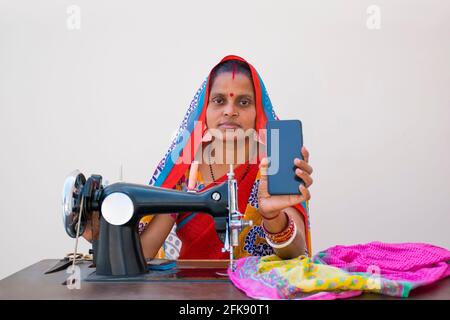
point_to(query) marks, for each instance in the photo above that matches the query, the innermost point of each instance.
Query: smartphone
(284, 144)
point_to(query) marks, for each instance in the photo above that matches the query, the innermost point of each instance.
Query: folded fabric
(401, 267)
(343, 271)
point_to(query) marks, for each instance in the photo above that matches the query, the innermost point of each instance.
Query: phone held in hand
(284, 144)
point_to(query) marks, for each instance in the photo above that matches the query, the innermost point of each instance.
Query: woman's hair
(235, 66)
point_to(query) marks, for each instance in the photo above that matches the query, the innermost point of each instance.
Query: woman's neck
(217, 157)
(221, 154)
(230, 152)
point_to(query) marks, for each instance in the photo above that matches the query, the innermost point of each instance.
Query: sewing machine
(118, 251)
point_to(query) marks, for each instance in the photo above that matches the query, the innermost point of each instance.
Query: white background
(375, 106)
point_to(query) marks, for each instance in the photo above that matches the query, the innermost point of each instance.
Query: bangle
(284, 231)
(284, 244)
(282, 236)
(272, 217)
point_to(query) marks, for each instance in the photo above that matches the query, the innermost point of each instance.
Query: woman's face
(231, 104)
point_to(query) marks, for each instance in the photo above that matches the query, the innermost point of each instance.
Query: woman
(232, 98)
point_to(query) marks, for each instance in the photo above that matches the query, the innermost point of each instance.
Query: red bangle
(272, 217)
(283, 235)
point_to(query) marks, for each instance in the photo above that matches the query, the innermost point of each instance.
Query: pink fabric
(401, 268)
(253, 288)
(333, 295)
(262, 287)
(419, 263)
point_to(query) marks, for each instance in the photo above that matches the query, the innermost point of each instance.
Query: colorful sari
(195, 231)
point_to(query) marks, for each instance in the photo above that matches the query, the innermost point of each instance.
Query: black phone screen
(284, 144)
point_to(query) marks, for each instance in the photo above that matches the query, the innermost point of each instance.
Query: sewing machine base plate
(185, 275)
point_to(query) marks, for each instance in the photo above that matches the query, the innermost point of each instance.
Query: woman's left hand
(270, 206)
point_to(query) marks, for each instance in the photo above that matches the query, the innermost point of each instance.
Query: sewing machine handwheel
(71, 198)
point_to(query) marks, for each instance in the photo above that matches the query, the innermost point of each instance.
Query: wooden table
(32, 283)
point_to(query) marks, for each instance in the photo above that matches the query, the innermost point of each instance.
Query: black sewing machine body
(119, 248)
(118, 251)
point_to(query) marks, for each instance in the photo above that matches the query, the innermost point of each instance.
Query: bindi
(231, 94)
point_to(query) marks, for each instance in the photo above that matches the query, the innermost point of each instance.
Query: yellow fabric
(302, 273)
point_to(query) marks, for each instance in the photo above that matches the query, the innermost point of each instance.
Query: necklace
(212, 173)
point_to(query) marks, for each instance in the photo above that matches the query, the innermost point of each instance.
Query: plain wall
(375, 106)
